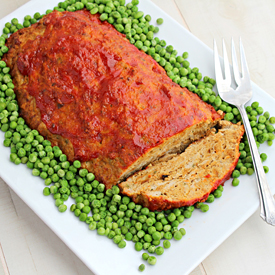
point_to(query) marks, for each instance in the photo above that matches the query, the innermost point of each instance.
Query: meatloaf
(85, 88)
(190, 176)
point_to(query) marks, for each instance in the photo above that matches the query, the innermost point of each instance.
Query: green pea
(220, 187)
(58, 202)
(263, 156)
(250, 171)
(261, 126)
(167, 228)
(2, 64)
(6, 30)
(43, 175)
(140, 234)
(37, 15)
(218, 101)
(156, 242)
(101, 231)
(156, 236)
(248, 165)
(134, 9)
(151, 249)
(270, 128)
(185, 64)
(235, 182)
(199, 76)
(236, 173)
(148, 18)
(218, 193)
(205, 207)
(30, 165)
(159, 21)
(159, 250)
(32, 158)
(7, 142)
(152, 260)
(83, 217)
(135, 2)
(8, 25)
(6, 70)
(17, 161)
(166, 244)
(141, 267)
(210, 198)
(122, 244)
(48, 11)
(77, 213)
(6, 78)
(129, 236)
(139, 44)
(138, 246)
(271, 136)
(168, 235)
(35, 172)
(138, 14)
(73, 208)
(248, 109)
(62, 208)
(148, 238)
(182, 231)
(229, 116)
(77, 164)
(103, 16)
(94, 10)
(92, 225)
(259, 110)
(171, 217)
(46, 191)
(159, 226)
(26, 23)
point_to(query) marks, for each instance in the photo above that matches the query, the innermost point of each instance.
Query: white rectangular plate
(205, 231)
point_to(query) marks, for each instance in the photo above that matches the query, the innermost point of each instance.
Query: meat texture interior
(191, 176)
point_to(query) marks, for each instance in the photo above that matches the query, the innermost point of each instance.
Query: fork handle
(267, 204)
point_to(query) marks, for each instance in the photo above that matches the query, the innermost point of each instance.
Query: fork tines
(227, 72)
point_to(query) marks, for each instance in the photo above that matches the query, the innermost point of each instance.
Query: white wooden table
(28, 246)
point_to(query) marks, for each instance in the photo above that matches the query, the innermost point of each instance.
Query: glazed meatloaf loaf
(190, 176)
(85, 88)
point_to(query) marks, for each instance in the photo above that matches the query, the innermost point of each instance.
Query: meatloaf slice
(190, 176)
(84, 87)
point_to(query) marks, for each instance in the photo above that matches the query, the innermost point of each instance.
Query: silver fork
(239, 97)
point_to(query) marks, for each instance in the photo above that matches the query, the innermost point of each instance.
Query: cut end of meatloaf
(171, 146)
(191, 176)
(88, 90)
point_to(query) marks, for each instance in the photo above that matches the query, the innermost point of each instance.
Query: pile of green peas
(106, 211)
(263, 131)
(120, 219)
(114, 216)
(111, 214)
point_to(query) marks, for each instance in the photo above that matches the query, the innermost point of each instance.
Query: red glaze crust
(84, 87)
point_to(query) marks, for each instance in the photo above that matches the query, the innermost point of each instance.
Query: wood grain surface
(252, 20)
(29, 247)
